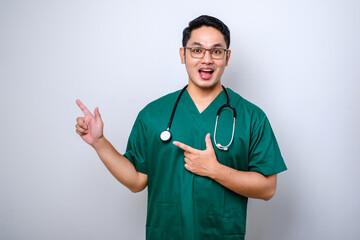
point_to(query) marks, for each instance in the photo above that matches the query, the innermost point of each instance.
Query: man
(195, 190)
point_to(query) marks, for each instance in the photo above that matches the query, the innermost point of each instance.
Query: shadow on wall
(274, 219)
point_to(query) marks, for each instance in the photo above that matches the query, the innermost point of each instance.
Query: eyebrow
(196, 44)
(218, 45)
(199, 44)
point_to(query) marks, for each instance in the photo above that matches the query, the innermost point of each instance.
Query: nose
(207, 57)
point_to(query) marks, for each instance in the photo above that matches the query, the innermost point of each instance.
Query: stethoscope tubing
(166, 135)
(175, 106)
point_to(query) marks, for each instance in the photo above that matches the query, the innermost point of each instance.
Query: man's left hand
(200, 162)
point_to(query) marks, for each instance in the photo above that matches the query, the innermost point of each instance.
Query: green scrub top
(182, 205)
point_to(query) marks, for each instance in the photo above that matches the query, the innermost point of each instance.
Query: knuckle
(80, 120)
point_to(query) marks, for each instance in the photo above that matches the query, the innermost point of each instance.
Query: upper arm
(264, 152)
(271, 182)
(137, 146)
(272, 179)
(141, 182)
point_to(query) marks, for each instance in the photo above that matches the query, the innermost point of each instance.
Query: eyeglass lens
(216, 53)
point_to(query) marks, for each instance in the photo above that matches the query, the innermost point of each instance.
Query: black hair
(205, 20)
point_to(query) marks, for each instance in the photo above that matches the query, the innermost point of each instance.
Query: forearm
(119, 166)
(248, 184)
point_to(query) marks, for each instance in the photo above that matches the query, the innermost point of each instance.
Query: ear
(182, 55)
(228, 54)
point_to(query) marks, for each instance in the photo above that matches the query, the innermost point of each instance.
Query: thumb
(97, 114)
(208, 142)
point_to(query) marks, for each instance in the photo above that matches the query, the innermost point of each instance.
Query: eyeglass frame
(226, 50)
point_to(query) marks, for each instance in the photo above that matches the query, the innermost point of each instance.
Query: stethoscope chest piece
(165, 135)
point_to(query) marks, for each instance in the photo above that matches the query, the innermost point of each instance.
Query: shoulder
(244, 105)
(160, 105)
(247, 112)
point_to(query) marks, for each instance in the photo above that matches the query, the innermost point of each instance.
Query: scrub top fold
(182, 205)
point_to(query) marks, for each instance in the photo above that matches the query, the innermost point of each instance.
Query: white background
(297, 60)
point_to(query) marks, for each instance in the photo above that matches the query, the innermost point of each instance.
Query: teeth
(206, 70)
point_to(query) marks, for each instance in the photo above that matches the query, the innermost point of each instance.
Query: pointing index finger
(183, 146)
(83, 108)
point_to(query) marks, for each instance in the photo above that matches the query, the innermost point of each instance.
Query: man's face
(205, 72)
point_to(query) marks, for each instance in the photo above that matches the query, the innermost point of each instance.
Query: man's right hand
(90, 127)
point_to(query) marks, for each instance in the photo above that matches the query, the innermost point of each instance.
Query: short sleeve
(264, 155)
(136, 150)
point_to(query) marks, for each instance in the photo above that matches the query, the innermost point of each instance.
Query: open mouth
(206, 73)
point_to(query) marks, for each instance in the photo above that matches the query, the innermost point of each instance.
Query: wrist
(215, 171)
(99, 143)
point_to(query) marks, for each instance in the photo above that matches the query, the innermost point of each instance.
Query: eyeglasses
(199, 52)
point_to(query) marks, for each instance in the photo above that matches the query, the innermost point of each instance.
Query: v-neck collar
(219, 100)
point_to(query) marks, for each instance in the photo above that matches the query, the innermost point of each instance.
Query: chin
(206, 84)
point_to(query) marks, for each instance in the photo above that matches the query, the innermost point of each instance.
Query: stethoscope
(165, 135)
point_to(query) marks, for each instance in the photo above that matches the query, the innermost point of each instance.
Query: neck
(202, 97)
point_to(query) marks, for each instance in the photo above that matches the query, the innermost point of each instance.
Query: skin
(204, 163)
(90, 128)
(203, 92)
(200, 162)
